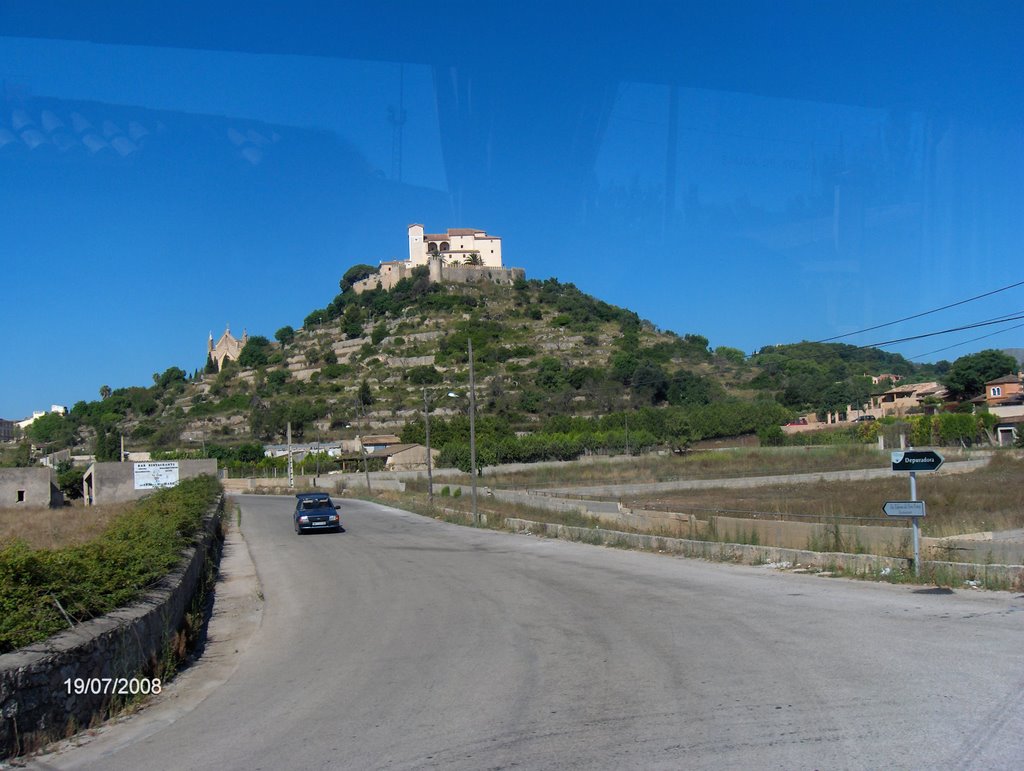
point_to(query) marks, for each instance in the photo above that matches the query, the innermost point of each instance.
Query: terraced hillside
(548, 358)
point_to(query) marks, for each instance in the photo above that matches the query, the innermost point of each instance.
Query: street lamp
(362, 448)
(427, 401)
(472, 431)
(426, 422)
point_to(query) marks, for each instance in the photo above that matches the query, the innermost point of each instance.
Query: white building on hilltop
(459, 246)
(460, 256)
(60, 409)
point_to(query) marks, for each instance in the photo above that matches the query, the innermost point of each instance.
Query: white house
(458, 246)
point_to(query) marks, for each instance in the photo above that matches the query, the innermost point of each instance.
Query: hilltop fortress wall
(390, 273)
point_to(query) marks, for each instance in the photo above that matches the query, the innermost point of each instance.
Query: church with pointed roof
(228, 347)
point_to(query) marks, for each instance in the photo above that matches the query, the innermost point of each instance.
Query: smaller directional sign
(904, 508)
(916, 460)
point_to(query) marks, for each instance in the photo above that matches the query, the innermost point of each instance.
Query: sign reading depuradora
(916, 460)
(158, 473)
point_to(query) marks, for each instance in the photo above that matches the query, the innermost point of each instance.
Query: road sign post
(913, 461)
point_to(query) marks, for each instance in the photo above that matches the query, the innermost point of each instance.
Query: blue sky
(158, 180)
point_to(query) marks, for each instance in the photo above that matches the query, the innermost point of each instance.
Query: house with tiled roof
(904, 398)
(1004, 390)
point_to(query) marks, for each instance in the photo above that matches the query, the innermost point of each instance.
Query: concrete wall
(1010, 575)
(115, 482)
(29, 487)
(779, 533)
(413, 459)
(735, 552)
(1004, 548)
(331, 483)
(872, 539)
(35, 706)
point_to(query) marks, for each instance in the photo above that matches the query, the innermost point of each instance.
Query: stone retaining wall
(331, 483)
(35, 706)
(1010, 575)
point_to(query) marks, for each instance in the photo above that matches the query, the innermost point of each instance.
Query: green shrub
(457, 493)
(138, 548)
(446, 491)
(422, 375)
(771, 436)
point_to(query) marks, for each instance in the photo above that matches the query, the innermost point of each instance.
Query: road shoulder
(237, 614)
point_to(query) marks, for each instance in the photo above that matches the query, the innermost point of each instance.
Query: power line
(965, 342)
(944, 331)
(919, 315)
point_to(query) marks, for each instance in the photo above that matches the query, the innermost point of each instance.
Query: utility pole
(362, 449)
(472, 431)
(426, 421)
(291, 460)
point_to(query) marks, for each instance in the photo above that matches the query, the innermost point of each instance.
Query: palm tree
(104, 391)
(474, 258)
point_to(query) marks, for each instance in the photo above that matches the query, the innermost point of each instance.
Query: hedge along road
(411, 643)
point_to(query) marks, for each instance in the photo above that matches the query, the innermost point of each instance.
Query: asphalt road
(406, 643)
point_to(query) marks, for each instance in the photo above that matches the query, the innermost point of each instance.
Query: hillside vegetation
(558, 373)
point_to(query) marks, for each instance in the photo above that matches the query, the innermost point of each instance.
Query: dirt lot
(54, 528)
(989, 499)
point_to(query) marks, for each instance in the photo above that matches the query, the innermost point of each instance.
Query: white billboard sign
(151, 475)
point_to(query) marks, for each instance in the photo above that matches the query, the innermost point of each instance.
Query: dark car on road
(316, 511)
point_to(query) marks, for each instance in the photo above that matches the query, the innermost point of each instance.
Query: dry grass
(56, 528)
(991, 498)
(722, 464)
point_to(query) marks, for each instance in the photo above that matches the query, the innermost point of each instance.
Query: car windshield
(488, 272)
(655, 157)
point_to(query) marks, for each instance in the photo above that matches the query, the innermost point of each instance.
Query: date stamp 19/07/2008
(118, 686)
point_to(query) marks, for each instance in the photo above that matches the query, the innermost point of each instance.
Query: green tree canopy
(170, 377)
(365, 394)
(285, 335)
(255, 352)
(354, 274)
(52, 428)
(968, 375)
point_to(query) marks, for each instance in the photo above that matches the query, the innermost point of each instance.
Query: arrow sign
(904, 508)
(916, 460)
